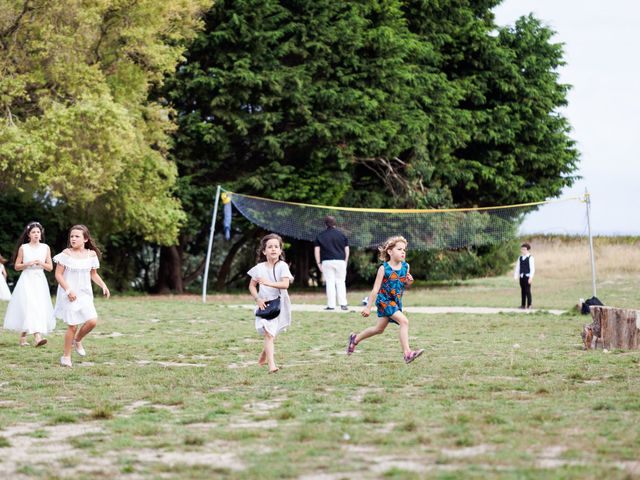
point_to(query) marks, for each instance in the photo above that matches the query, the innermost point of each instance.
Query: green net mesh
(368, 228)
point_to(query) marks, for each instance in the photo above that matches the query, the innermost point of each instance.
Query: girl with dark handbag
(270, 280)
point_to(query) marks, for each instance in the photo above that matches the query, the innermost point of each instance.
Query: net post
(208, 260)
(587, 199)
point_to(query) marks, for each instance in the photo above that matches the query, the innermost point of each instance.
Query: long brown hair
(3, 260)
(24, 238)
(260, 257)
(88, 241)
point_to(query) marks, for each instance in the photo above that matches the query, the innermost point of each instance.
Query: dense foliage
(385, 103)
(78, 128)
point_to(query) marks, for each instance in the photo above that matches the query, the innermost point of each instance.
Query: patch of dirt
(47, 451)
(630, 466)
(226, 459)
(326, 476)
(346, 414)
(387, 462)
(246, 423)
(171, 364)
(129, 409)
(549, 458)
(468, 451)
(52, 451)
(259, 407)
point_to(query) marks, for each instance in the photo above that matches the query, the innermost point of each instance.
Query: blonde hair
(388, 245)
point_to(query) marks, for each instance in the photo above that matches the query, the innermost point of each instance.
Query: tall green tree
(381, 103)
(288, 98)
(77, 126)
(512, 144)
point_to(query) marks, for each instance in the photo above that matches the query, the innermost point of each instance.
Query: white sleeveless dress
(30, 309)
(5, 293)
(77, 273)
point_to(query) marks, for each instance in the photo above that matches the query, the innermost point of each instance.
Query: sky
(601, 41)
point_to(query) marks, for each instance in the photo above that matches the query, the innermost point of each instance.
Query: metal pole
(208, 260)
(587, 199)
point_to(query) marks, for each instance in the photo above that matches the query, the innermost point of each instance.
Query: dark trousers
(525, 292)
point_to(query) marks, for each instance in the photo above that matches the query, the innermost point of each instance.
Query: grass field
(170, 388)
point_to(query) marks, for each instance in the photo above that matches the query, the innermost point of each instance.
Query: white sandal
(79, 349)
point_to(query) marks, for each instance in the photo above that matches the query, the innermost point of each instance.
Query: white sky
(601, 42)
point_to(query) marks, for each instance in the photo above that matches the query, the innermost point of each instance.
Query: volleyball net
(424, 229)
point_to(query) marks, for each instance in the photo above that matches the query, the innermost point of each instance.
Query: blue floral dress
(389, 298)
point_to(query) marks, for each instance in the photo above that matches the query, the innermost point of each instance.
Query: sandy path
(428, 310)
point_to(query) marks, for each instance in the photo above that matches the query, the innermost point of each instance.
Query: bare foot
(262, 360)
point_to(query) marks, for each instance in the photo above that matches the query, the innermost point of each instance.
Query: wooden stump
(614, 327)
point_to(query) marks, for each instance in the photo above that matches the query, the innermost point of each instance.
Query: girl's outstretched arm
(374, 292)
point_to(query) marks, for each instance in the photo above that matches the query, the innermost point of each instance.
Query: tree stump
(614, 327)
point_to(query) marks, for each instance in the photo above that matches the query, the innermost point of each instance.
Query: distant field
(170, 389)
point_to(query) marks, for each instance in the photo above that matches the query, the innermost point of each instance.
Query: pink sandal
(413, 355)
(351, 346)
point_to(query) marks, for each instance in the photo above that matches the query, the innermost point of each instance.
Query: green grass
(170, 388)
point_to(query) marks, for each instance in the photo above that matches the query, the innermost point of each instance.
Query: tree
(386, 103)
(512, 145)
(289, 98)
(78, 129)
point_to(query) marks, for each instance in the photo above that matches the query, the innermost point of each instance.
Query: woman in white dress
(76, 267)
(5, 293)
(273, 277)
(30, 310)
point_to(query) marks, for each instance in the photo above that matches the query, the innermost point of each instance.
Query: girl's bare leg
(262, 359)
(403, 321)
(85, 329)
(68, 338)
(377, 329)
(269, 350)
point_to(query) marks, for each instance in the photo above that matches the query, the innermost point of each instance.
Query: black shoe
(329, 308)
(522, 307)
(344, 307)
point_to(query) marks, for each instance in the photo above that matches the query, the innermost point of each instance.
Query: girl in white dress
(5, 293)
(273, 277)
(30, 310)
(76, 267)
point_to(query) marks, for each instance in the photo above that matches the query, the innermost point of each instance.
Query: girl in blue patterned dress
(388, 288)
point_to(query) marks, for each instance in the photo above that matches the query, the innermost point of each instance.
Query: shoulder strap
(275, 279)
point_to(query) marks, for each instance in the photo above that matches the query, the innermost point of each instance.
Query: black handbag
(271, 308)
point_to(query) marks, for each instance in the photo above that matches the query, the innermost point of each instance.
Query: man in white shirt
(524, 272)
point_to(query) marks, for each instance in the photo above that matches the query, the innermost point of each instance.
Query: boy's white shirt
(532, 267)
